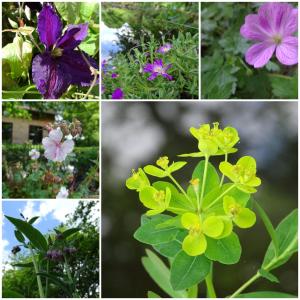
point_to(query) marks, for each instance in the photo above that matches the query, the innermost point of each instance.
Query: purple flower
(117, 94)
(103, 66)
(114, 75)
(60, 65)
(272, 28)
(164, 48)
(157, 68)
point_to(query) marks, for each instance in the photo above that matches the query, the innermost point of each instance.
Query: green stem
(36, 269)
(209, 284)
(204, 181)
(245, 285)
(181, 189)
(222, 179)
(47, 281)
(222, 195)
(75, 294)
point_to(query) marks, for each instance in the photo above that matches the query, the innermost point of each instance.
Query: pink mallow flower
(55, 149)
(272, 28)
(157, 68)
(164, 48)
(117, 94)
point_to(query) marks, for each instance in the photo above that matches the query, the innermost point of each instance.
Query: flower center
(195, 230)
(277, 39)
(158, 69)
(57, 52)
(159, 196)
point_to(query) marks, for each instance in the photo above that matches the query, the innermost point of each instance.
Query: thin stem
(70, 277)
(209, 284)
(36, 269)
(222, 179)
(222, 195)
(203, 181)
(245, 285)
(35, 43)
(181, 189)
(47, 281)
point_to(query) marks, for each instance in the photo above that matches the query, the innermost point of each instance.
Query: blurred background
(136, 134)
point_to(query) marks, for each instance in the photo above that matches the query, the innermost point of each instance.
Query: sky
(51, 212)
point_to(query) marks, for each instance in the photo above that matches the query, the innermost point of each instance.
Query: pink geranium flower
(56, 150)
(272, 28)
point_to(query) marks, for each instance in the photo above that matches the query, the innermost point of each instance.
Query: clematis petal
(77, 68)
(245, 218)
(287, 51)
(67, 146)
(194, 245)
(49, 26)
(259, 54)
(50, 76)
(73, 36)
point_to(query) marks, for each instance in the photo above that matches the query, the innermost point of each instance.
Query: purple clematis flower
(60, 65)
(272, 28)
(164, 48)
(157, 68)
(117, 94)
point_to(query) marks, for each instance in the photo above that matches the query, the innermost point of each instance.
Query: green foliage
(266, 294)
(207, 213)
(224, 72)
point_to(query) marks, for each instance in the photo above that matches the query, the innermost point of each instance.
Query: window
(35, 134)
(7, 131)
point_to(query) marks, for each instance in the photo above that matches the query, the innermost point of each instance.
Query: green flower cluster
(209, 208)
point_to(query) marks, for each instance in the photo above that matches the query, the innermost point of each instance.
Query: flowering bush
(56, 63)
(249, 50)
(55, 176)
(197, 226)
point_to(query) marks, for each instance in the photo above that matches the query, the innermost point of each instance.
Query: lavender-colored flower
(272, 28)
(103, 65)
(117, 94)
(164, 48)
(157, 68)
(60, 65)
(34, 154)
(55, 149)
(114, 75)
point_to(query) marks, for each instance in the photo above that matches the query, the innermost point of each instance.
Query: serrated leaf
(186, 271)
(284, 87)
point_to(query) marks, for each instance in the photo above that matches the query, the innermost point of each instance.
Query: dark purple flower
(117, 94)
(60, 65)
(164, 48)
(15, 250)
(114, 75)
(157, 68)
(103, 65)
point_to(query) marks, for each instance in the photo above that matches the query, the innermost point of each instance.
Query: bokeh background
(136, 134)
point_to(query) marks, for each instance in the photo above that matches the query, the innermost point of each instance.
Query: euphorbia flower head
(272, 28)
(156, 69)
(56, 150)
(60, 65)
(164, 48)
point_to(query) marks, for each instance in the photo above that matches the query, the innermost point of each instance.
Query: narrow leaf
(267, 275)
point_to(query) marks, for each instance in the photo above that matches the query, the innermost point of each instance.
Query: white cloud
(55, 208)
(5, 250)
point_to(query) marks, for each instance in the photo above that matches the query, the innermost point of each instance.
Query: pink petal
(252, 29)
(67, 146)
(56, 135)
(258, 55)
(287, 51)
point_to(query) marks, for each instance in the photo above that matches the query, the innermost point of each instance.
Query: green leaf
(267, 275)
(226, 251)
(33, 235)
(155, 171)
(152, 295)
(212, 177)
(11, 294)
(176, 166)
(201, 154)
(150, 234)
(19, 236)
(91, 44)
(269, 226)
(24, 265)
(32, 220)
(193, 291)
(70, 232)
(266, 294)
(284, 87)
(160, 274)
(287, 234)
(187, 271)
